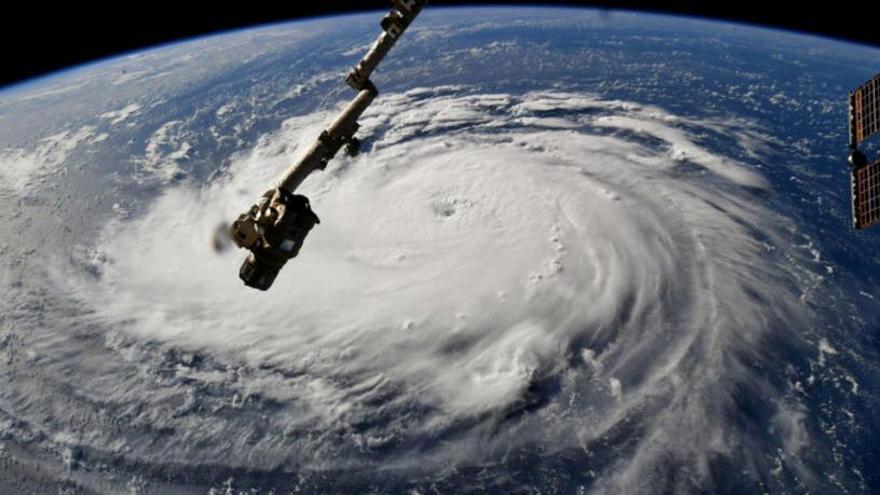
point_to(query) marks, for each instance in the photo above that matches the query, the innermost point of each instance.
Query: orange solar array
(864, 108)
(866, 195)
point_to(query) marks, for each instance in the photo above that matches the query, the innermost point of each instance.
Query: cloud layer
(545, 271)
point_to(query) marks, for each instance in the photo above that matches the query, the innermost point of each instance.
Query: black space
(38, 39)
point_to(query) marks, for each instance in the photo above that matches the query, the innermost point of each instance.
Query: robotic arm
(273, 230)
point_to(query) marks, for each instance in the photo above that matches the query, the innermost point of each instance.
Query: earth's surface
(581, 252)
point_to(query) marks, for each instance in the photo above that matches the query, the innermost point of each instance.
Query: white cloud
(122, 114)
(467, 255)
(22, 168)
(164, 152)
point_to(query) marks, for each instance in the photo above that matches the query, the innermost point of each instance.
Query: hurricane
(499, 281)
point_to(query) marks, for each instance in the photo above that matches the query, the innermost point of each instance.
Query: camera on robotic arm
(273, 230)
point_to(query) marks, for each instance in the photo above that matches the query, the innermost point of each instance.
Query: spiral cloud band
(495, 274)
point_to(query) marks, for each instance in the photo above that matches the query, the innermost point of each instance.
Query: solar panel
(866, 195)
(864, 111)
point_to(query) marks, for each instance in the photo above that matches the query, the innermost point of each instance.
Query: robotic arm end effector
(273, 231)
